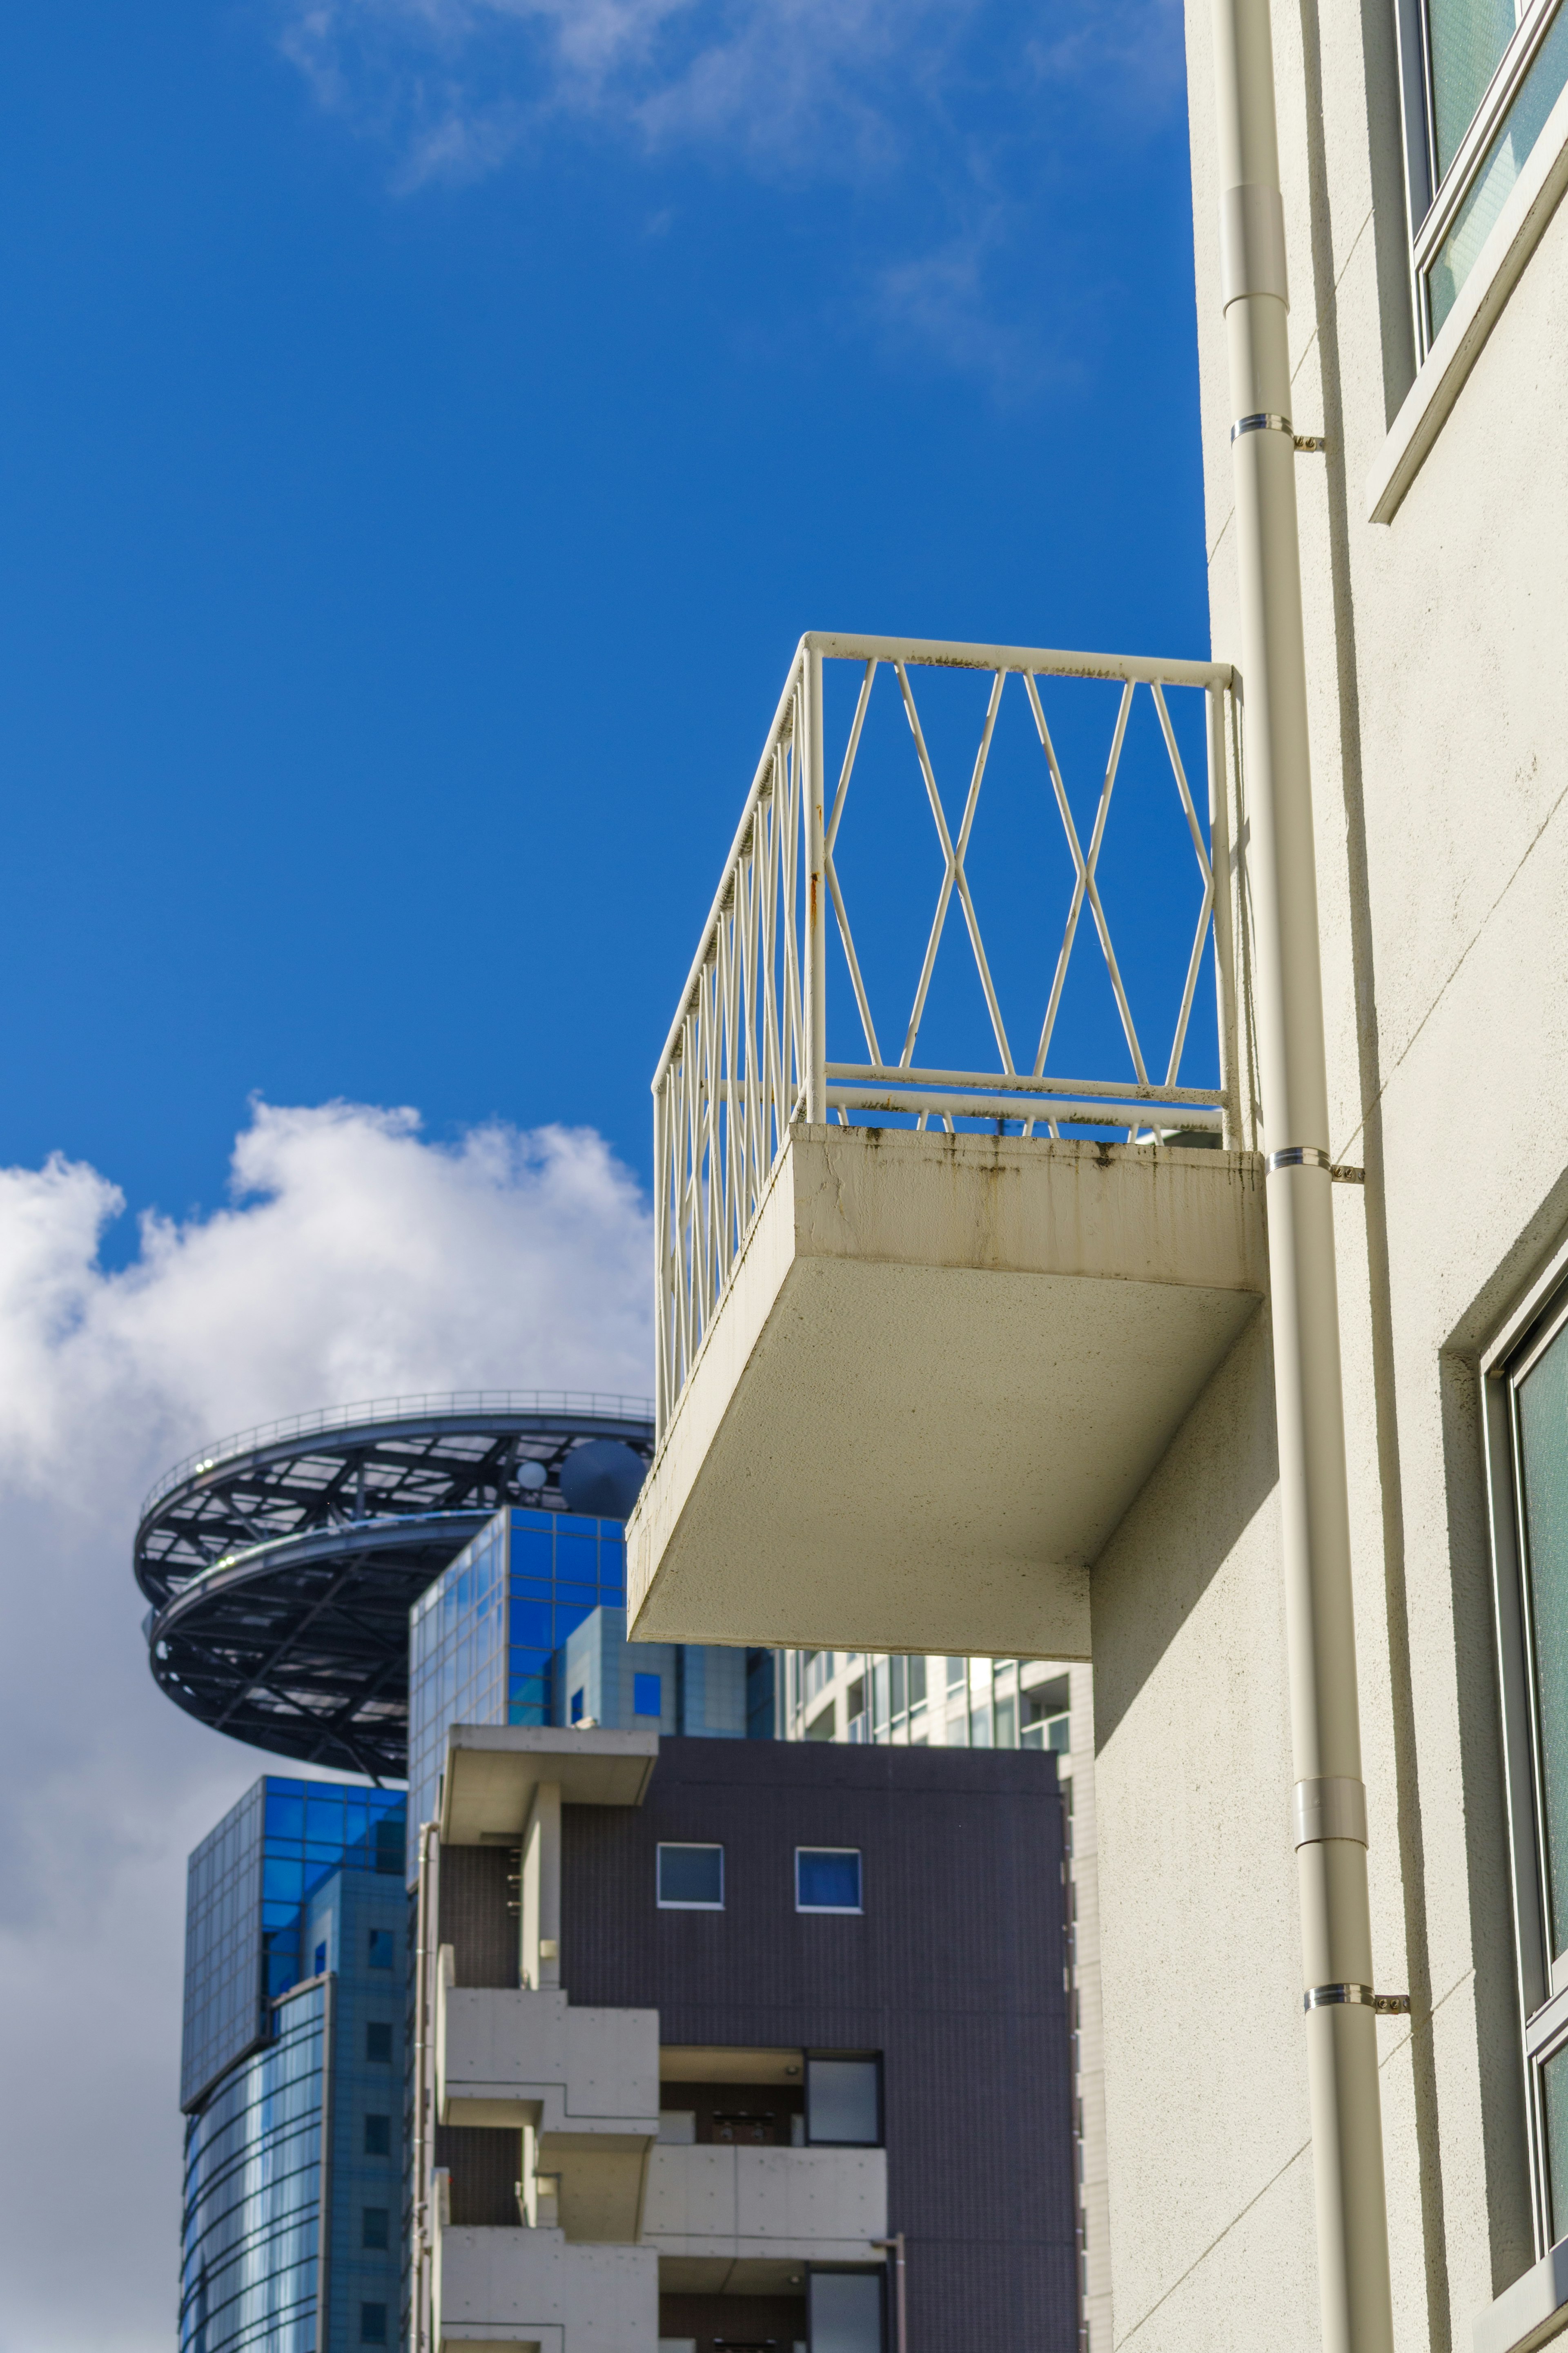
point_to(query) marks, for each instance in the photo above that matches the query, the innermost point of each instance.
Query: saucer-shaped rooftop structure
(281, 1565)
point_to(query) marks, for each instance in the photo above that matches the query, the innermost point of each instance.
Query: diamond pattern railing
(747, 1053)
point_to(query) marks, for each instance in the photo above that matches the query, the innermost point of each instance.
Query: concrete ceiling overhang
(492, 1771)
(942, 1370)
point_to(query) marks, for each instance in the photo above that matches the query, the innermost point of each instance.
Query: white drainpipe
(1330, 1809)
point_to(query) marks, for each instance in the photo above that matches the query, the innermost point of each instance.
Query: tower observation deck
(281, 1565)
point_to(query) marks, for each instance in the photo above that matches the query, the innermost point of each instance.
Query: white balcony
(710, 2208)
(531, 2288)
(913, 1375)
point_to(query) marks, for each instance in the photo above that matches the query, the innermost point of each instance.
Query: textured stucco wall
(1440, 756)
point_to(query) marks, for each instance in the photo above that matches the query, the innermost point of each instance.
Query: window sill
(1531, 201)
(1533, 2312)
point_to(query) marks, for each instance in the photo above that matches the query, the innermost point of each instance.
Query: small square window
(691, 1878)
(827, 1879)
(378, 2044)
(381, 1948)
(376, 2224)
(647, 1696)
(373, 2324)
(378, 2135)
(577, 1705)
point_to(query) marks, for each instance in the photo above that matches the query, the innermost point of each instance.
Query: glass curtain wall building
(291, 2072)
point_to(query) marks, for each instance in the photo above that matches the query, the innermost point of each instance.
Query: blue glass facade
(293, 2073)
(251, 2234)
(245, 1887)
(483, 1638)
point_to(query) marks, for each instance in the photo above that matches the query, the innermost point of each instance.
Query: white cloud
(459, 85)
(356, 1260)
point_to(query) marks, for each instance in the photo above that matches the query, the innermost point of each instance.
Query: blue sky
(430, 424)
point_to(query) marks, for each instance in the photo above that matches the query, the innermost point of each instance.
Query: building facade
(292, 2070)
(996, 1704)
(747, 2046)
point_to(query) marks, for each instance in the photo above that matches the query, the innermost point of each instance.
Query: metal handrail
(746, 1054)
(454, 1402)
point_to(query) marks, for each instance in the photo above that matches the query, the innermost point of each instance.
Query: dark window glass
(1542, 1397)
(321, 1962)
(378, 2043)
(897, 1671)
(647, 1696)
(577, 1706)
(843, 2102)
(691, 1878)
(378, 2135)
(845, 2312)
(375, 2232)
(826, 1879)
(381, 1948)
(916, 1682)
(373, 2324)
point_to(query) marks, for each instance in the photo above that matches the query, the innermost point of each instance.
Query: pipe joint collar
(1252, 244)
(1333, 1808)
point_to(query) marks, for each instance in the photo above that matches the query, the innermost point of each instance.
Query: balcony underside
(941, 1372)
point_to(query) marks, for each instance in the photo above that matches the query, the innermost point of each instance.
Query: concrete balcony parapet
(749, 2205)
(514, 2055)
(533, 2288)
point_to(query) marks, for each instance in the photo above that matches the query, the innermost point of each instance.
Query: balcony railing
(748, 1052)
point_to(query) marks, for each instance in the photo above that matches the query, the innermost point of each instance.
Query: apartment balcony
(581, 2085)
(532, 2288)
(726, 2220)
(516, 2055)
(924, 1332)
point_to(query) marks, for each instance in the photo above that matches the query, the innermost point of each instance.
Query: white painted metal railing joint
(746, 1056)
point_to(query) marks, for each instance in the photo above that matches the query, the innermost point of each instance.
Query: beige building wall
(837, 1695)
(1439, 717)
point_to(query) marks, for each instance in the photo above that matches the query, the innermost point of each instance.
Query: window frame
(872, 2059)
(1432, 203)
(833, 1911)
(1541, 1978)
(685, 1846)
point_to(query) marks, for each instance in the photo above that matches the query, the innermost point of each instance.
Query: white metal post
(815, 897)
(1330, 1811)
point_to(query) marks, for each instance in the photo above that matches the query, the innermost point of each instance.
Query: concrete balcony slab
(943, 1369)
(712, 2206)
(531, 2288)
(509, 2056)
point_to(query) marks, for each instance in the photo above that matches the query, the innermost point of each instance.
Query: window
(381, 1948)
(373, 2324)
(375, 2229)
(844, 2102)
(378, 2135)
(577, 1705)
(1047, 1720)
(957, 1673)
(824, 1726)
(1526, 1380)
(1478, 80)
(322, 1960)
(691, 1878)
(827, 1879)
(845, 2312)
(647, 1696)
(378, 2044)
